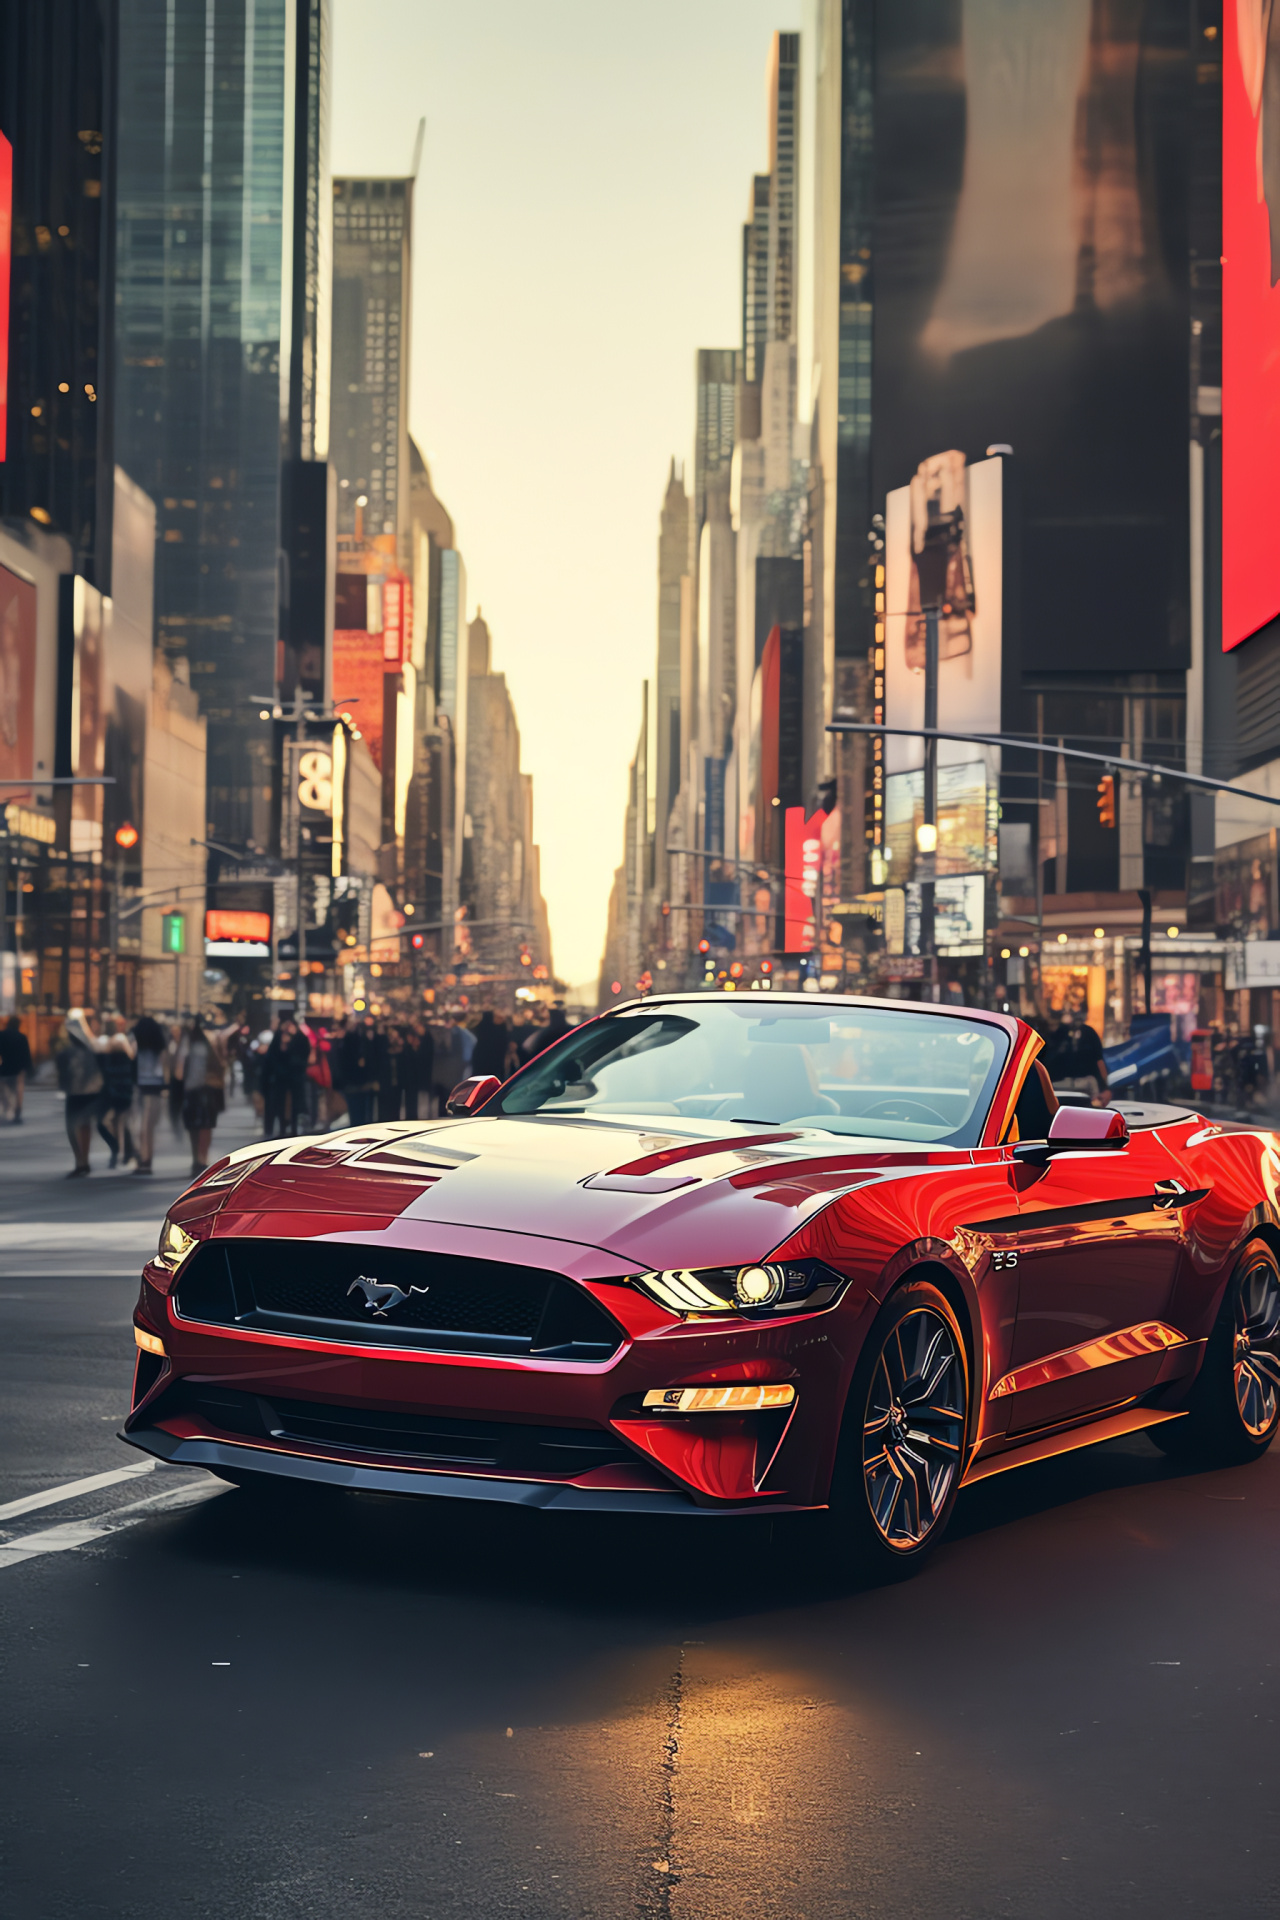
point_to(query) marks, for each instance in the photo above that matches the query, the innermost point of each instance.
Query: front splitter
(222, 1454)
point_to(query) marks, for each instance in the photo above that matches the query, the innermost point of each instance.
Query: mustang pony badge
(379, 1295)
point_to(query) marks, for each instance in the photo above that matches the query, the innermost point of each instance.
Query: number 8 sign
(315, 781)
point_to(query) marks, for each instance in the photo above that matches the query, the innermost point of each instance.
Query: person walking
(492, 1040)
(284, 1077)
(120, 1081)
(425, 1071)
(151, 1041)
(79, 1069)
(15, 1065)
(202, 1068)
(392, 1068)
(360, 1070)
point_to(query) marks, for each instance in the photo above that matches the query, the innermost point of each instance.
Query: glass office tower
(209, 201)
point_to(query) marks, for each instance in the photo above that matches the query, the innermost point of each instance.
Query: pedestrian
(151, 1041)
(425, 1071)
(392, 1071)
(360, 1070)
(202, 1067)
(557, 1025)
(447, 1063)
(120, 1081)
(284, 1078)
(79, 1068)
(492, 1040)
(1073, 1056)
(15, 1065)
(173, 1074)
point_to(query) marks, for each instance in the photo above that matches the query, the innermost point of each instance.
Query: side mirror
(1077, 1129)
(470, 1095)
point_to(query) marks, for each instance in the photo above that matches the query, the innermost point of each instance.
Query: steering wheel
(902, 1110)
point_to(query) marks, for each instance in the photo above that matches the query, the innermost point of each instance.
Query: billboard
(1030, 287)
(17, 679)
(1250, 317)
(6, 247)
(803, 878)
(944, 545)
(230, 933)
(357, 683)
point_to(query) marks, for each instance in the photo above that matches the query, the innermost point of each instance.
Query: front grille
(391, 1297)
(505, 1445)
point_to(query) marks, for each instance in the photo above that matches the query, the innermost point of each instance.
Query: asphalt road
(371, 1708)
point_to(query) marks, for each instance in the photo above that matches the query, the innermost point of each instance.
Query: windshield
(846, 1070)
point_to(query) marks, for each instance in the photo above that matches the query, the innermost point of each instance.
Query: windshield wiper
(750, 1120)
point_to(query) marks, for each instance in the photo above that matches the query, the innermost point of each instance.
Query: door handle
(1168, 1193)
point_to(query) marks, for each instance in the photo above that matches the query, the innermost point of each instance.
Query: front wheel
(903, 1441)
(1234, 1409)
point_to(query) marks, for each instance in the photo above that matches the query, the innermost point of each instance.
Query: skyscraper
(209, 290)
(369, 430)
(673, 574)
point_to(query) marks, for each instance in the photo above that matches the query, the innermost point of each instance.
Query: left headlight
(175, 1244)
(793, 1286)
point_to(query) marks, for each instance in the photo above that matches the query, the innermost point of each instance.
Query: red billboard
(803, 878)
(1250, 317)
(230, 923)
(357, 683)
(17, 679)
(6, 243)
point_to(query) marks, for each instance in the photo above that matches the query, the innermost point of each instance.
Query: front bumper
(221, 1455)
(709, 1463)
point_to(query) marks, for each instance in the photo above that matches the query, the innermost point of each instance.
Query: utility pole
(927, 839)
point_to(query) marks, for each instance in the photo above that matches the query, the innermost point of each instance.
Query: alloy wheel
(1256, 1364)
(913, 1434)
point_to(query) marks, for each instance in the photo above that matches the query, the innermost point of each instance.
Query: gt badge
(1003, 1261)
(379, 1295)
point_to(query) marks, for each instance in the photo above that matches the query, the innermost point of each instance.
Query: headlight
(175, 1244)
(799, 1286)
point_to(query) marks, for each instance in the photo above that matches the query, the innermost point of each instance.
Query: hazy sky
(577, 237)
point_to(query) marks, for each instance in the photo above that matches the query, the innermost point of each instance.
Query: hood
(646, 1197)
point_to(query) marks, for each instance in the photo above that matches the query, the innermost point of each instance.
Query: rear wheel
(1234, 1409)
(903, 1441)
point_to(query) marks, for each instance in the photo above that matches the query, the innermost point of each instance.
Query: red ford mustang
(717, 1256)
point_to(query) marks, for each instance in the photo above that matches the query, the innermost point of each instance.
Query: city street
(360, 1705)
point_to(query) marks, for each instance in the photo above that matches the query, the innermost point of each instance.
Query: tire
(904, 1437)
(1234, 1409)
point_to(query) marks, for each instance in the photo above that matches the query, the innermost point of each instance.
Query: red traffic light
(704, 946)
(416, 941)
(766, 966)
(617, 987)
(1107, 800)
(126, 836)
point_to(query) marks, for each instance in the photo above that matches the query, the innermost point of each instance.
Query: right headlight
(175, 1244)
(765, 1288)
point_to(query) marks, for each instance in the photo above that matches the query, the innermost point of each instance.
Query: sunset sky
(578, 229)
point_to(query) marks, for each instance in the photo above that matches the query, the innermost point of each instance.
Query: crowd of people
(300, 1076)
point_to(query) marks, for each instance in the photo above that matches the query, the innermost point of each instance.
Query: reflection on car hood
(651, 1196)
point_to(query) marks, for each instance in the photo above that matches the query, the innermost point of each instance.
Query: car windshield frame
(738, 1039)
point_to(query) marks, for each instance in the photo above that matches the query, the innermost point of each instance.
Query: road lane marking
(81, 1533)
(64, 1236)
(54, 1496)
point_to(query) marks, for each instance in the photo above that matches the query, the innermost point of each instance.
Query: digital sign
(1250, 319)
(224, 923)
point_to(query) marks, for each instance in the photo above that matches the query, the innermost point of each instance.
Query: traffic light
(704, 946)
(766, 966)
(416, 941)
(1107, 800)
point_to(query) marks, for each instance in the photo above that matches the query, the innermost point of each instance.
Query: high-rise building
(755, 279)
(499, 861)
(673, 587)
(369, 425)
(219, 327)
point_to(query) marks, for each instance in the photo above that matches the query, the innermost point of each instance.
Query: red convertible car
(715, 1255)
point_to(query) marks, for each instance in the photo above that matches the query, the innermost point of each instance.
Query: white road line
(80, 1533)
(67, 1236)
(54, 1496)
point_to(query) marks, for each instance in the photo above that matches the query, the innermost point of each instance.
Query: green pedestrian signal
(173, 937)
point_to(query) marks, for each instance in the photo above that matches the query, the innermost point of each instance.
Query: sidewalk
(104, 1225)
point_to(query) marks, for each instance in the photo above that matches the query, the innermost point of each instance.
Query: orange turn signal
(149, 1342)
(720, 1399)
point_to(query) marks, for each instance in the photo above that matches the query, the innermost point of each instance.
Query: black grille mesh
(475, 1306)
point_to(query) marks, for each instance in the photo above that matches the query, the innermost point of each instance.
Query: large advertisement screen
(1031, 289)
(948, 523)
(17, 680)
(1250, 317)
